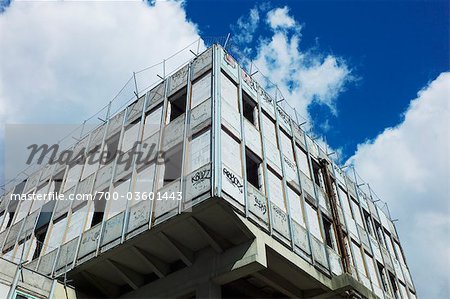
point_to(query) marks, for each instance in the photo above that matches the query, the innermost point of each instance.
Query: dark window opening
(379, 234)
(177, 104)
(249, 107)
(328, 228)
(111, 147)
(58, 179)
(252, 166)
(11, 217)
(40, 238)
(382, 276)
(99, 210)
(393, 285)
(172, 165)
(316, 173)
(367, 222)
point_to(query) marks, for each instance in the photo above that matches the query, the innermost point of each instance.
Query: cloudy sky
(371, 77)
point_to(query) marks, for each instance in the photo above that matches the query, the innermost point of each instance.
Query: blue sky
(393, 47)
(372, 78)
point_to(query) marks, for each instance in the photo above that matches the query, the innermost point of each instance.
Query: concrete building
(263, 212)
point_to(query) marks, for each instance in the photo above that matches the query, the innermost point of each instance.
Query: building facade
(212, 190)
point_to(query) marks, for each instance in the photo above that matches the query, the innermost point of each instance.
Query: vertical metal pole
(135, 85)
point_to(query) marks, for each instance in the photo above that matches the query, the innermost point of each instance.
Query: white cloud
(62, 61)
(409, 167)
(279, 18)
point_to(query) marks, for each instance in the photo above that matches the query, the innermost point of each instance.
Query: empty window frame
(394, 286)
(40, 234)
(317, 173)
(379, 233)
(329, 232)
(176, 105)
(201, 90)
(382, 276)
(99, 209)
(110, 150)
(253, 166)
(368, 222)
(172, 164)
(249, 109)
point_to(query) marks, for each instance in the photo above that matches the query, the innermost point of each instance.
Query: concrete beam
(160, 268)
(109, 289)
(185, 254)
(207, 234)
(129, 276)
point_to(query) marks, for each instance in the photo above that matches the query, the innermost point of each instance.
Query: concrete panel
(198, 182)
(386, 258)
(232, 184)
(318, 251)
(351, 186)
(155, 96)
(312, 147)
(32, 265)
(266, 102)
(113, 229)
(398, 269)
(104, 175)
(115, 123)
(375, 249)
(229, 64)
(66, 254)
(200, 117)
(273, 156)
(3, 237)
(178, 80)
(299, 135)
(139, 215)
(351, 226)
(62, 206)
(373, 210)
(250, 86)
(89, 241)
(47, 261)
(198, 151)
(323, 200)
(165, 205)
(231, 119)
(290, 172)
(364, 237)
(13, 234)
(80, 147)
(252, 138)
(284, 120)
(173, 133)
(202, 63)
(96, 137)
(135, 110)
(46, 172)
(301, 237)
(32, 181)
(385, 222)
(123, 167)
(307, 185)
(201, 90)
(280, 221)
(29, 225)
(335, 262)
(257, 204)
(85, 186)
(407, 275)
(40, 282)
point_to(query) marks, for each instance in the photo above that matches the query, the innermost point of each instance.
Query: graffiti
(279, 213)
(260, 204)
(233, 180)
(249, 81)
(230, 60)
(289, 163)
(201, 176)
(283, 115)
